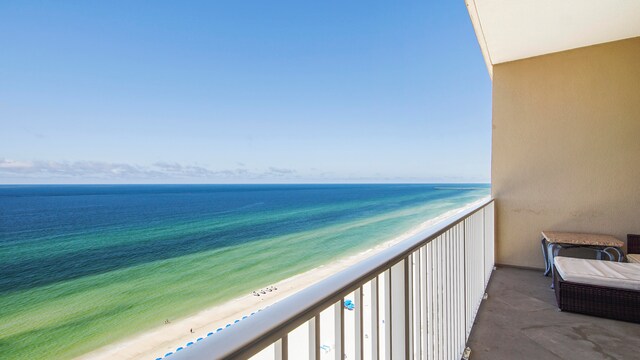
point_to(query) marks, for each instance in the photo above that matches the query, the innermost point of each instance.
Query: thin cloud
(281, 171)
(15, 171)
(122, 171)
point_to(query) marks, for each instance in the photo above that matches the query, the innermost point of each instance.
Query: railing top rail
(251, 335)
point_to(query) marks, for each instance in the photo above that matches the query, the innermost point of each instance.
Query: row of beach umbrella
(348, 304)
(209, 334)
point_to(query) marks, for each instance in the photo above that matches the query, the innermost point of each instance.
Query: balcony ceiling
(509, 30)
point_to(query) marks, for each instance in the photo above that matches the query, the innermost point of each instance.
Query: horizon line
(300, 183)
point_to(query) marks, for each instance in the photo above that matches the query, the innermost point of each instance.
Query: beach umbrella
(167, 354)
(237, 321)
(180, 348)
(349, 305)
(190, 343)
(199, 339)
(219, 329)
(228, 325)
(244, 317)
(209, 334)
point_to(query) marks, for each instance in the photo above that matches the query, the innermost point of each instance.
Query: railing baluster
(439, 302)
(430, 303)
(461, 282)
(450, 290)
(399, 310)
(417, 256)
(314, 338)
(409, 301)
(387, 315)
(459, 293)
(445, 295)
(433, 300)
(453, 293)
(484, 247)
(445, 298)
(423, 303)
(358, 323)
(450, 287)
(282, 349)
(452, 300)
(443, 292)
(466, 277)
(406, 329)
(339, 329)
(375, 319)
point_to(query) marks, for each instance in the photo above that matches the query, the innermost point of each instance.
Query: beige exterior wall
(566, 147)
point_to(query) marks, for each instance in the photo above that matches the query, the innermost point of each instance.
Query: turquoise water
(84, 266)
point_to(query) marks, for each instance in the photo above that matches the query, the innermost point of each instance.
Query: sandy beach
(166, 338)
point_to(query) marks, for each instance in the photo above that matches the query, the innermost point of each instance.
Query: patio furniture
(553, 241)
(599, 288)
(633, 248)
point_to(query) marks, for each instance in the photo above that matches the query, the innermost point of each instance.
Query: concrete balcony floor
(520, 320)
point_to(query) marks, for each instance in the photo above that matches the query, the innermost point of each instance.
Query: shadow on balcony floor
(520, 320)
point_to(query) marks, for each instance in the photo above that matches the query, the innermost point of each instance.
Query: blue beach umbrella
(244, 317)
(190, 343)
(199, 339)
(253, 313)
(349, 305)
(219, 329)
(237, 321)
(228, 325)
(167, 354)
(180, 348)
(209, 334)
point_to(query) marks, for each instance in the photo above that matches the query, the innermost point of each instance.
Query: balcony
(520, 320)
(425, 299)
(417, 299)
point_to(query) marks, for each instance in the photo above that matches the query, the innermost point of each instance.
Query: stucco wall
(566, 147)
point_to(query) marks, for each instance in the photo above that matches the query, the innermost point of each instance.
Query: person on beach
(191, 331)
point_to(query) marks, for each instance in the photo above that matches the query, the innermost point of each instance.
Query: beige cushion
(581, 239)
(633, 258)
(598, 272)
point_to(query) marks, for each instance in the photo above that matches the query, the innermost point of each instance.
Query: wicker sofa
(633, 248)
(612, 291)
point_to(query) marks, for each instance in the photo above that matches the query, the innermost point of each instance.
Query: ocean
(82, 266)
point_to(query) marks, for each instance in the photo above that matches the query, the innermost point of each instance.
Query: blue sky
(242, 92)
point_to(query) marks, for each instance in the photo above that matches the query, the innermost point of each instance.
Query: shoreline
(166, 338)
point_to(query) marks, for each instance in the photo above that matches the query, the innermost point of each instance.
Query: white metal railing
(415, 300)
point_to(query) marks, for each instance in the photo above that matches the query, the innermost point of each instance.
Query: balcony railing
(415, 300)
